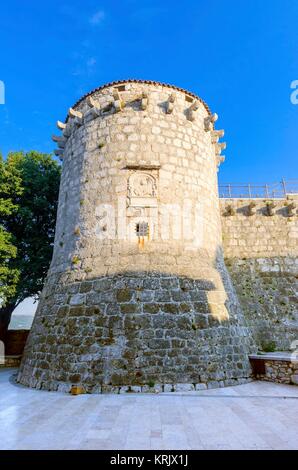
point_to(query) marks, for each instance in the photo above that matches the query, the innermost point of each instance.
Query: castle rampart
(260, 242)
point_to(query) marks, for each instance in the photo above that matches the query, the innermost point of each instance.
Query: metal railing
(265, 191)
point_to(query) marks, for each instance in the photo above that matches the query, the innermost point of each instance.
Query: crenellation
(144, 101)
(210, 121)
(291, 208)
(59, 153)
(170, 103)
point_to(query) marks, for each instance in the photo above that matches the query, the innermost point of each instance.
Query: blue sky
(239, 56)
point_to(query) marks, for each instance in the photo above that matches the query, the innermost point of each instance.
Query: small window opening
(120, 87)
(142, 229)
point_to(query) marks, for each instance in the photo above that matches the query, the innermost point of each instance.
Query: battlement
(283, 207)
(121, 85)
(151, 99)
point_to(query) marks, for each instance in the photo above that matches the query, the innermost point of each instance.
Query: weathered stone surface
(185, 387)
(136, 347)
(261, 254)
(294, 379)
(77, 299)
(120, 309)
(268, 298)
(280, 370)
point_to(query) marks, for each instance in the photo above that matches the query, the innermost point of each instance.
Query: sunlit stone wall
(137, 292)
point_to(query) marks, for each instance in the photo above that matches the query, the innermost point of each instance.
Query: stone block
(294, 379)
(168, 388)
(185, 387)
(213, 384)
(77, 299)
(200, 386)
(136, 388)
(124, 295)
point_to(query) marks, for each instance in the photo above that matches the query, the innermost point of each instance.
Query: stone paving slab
(257, 415)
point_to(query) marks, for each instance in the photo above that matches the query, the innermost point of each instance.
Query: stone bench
(11, 361)
(280, 367)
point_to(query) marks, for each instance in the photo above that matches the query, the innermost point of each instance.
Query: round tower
(137, 292)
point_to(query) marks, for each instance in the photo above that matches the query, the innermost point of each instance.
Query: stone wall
(253, 228)
(260, 240)
(134, 329)
(275, 368)
(124, 309)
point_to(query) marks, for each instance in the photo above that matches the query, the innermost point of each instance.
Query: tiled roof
(147, 82)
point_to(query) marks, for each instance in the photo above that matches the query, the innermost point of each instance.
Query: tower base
(135, 329)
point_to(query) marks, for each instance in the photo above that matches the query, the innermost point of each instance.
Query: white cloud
(97, 17)
(91, 62)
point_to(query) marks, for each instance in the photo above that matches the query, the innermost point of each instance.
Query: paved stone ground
(257, 415)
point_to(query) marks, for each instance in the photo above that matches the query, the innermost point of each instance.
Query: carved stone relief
(142, 190)
(141, 201)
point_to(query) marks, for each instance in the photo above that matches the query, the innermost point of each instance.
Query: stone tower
(137, 292)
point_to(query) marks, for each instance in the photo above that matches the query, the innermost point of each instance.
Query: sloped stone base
(134, 329)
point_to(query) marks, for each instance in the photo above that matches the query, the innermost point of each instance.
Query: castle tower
(137, 291)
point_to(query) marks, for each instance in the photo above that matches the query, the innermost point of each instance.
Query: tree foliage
(28, 205)
(10, 186)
